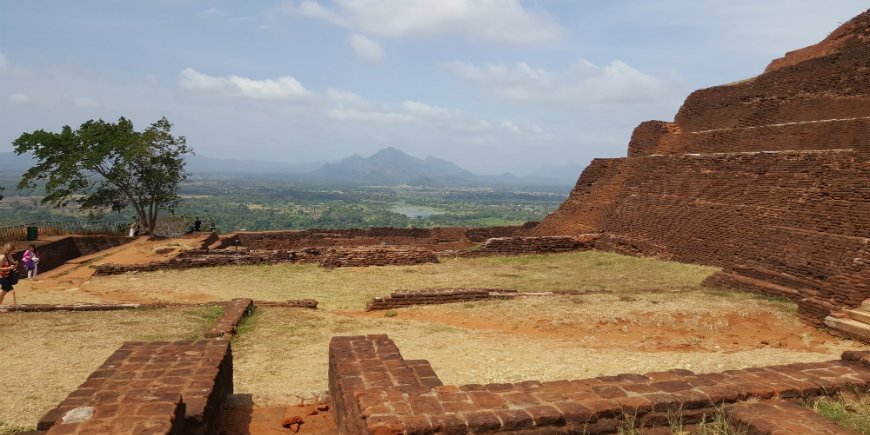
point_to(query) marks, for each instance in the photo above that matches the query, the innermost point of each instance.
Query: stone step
(859, 315)
(850, 327)
(865, 305)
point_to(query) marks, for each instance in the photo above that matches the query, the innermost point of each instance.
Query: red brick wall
(802, 215)
(375, 391)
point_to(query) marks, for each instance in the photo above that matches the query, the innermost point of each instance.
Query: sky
(493, 85)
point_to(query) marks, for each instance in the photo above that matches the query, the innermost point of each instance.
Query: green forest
(249, 204)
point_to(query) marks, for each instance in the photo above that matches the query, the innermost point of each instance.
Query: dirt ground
(47, 355)
(642, 315)
(283, 357)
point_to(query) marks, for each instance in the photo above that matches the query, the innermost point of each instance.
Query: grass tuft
(847, 409)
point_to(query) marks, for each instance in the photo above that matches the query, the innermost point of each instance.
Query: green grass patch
(249, 322)
(848, 409)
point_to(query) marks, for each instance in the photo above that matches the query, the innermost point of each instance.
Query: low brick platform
(362, 257)
(298, 303)
(781, 418)
(160, 388)
(375, 391)
(405, 298)
(205, 258)
(234, 311)
(539, 245)
(41, 308)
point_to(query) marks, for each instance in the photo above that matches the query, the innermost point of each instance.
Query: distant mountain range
(386, 167)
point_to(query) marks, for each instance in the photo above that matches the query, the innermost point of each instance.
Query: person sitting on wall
(212, 227)
(197, 225)
(8, 273)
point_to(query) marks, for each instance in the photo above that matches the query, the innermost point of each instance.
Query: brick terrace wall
(160, 387)
(440, 238)
(361, 257)
(539, 245)
(796, 219)
(405, 298)
(657, 137)
(196, 259)
(375, 391)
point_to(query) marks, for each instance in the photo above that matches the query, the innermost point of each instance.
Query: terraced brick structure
(376, 391)
(768, 177)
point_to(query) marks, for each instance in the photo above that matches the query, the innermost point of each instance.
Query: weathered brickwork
(656, 137)
(375, 391)
(234, 311)
(361, 257)
(781, 418)
(406, 298)
(538, 245)
(211, 258)
(768, 178)
(159, 387)
(447, 238)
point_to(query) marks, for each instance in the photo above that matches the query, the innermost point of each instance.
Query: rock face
(768, 177)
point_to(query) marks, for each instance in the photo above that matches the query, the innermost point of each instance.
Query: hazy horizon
(494, 86)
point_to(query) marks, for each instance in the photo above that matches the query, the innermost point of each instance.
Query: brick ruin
(768, 178)
(407, 298)
(374, 390)
(360, 247)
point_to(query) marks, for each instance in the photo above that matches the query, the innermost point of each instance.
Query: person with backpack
(8, 273)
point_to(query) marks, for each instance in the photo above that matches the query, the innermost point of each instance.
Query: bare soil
(282, 359)
(646, 315)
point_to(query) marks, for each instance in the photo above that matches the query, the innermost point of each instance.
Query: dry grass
(347, 288)
(283, 356)
(47, 355)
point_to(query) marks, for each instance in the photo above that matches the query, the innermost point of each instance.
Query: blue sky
(494, 85)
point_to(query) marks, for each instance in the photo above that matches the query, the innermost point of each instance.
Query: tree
(104, 165)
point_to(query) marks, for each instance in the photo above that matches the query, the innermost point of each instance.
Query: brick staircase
(854, 323)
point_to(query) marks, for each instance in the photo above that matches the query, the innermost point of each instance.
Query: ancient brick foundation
(160, 387)
(538, 245)
(448, 238)
(375, 391)
(234, 311)
(361, 257)
(406, 298)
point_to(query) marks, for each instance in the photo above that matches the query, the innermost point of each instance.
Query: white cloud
(489, 20)
(345, 97)
(282, 88)
(85, 103)
(583, 83)
(509, 125)
(426, 110)
(366, 49)
(19, 98)
(351, 114)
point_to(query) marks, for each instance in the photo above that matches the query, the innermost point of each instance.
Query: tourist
(8, 273)
(197, 225)
(31, 261)
(212, 227)
(132, 229)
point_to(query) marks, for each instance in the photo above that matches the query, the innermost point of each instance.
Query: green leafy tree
(104, 165)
